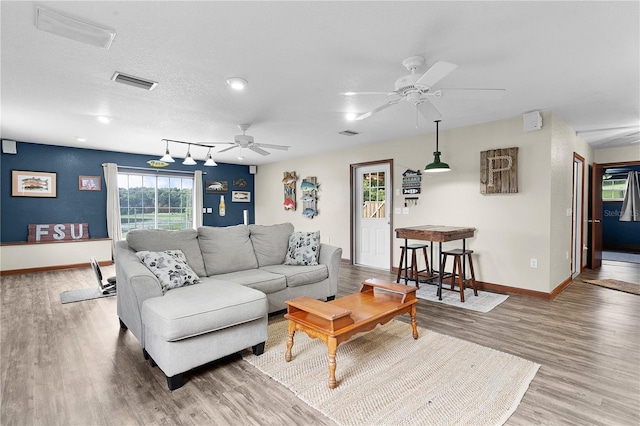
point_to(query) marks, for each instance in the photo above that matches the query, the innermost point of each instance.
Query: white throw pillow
(170, 266)
(303, 248)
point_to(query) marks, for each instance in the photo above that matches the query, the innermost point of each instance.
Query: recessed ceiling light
(103, 119)
(81, 139)
(350, 116)
(237, 83)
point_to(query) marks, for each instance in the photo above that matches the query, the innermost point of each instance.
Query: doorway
(372, 202)
(577, 218)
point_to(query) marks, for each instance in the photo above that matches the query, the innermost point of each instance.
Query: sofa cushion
(202, 308)
(299, 275)
(270, 243)
(226, 249)
(160, 240)
(303, 248)
(170, 266)
(265, 281)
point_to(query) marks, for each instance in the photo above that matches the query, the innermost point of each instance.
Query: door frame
(354, 210)
(577, 241)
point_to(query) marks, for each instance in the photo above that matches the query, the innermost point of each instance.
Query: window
(155, 201)
(373, 197)
(613, 189)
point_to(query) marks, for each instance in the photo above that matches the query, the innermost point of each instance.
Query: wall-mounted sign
(411, 181)
(58, 232)
(499, 171)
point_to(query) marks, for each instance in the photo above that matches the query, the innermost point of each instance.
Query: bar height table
(439, 234)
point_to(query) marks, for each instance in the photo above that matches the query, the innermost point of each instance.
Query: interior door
(595, 217)
(372, 220)
(577, 252)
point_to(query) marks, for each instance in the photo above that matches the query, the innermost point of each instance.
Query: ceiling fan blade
(366, 93)
(258, 150)
(429, 111)
(481, 94)
(378, 109)
(230, 148)
(266, 145)
(436, 73)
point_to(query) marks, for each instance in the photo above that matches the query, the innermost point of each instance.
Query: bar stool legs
(412, 271)
(457, 255)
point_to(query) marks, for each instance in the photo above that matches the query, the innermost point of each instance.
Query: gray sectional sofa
(243, 278)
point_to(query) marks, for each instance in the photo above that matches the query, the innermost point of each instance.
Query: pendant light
(210, 161)
(189, 161)
(167, 158)
(437, 165)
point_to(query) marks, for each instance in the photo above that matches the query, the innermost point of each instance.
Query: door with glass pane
(372, 215)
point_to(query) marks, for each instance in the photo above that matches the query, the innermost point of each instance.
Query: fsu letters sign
(499, 171)
(58, 232)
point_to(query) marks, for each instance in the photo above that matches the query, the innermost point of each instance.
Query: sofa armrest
(331, 256)
(135, 284)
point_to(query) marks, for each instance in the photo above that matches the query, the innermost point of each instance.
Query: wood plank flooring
(72, 365)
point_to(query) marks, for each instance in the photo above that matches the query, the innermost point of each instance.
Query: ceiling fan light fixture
(237, 83)
(437, 166)
(350, 116)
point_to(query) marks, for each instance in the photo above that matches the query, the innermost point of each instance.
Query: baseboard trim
(52, 268)
(499, 288)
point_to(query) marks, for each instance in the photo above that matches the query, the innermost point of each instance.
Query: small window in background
(613, 189)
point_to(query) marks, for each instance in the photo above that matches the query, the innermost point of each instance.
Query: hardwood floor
(72, 365)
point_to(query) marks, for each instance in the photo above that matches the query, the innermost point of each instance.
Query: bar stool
(412, 271)
(458, 255)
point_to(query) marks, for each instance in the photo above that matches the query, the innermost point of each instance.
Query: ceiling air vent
(133, 81)
(348, 133)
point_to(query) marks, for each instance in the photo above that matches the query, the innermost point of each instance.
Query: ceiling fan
(246, 141)
(418, 90)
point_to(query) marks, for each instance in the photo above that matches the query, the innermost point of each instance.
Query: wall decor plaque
(499, 171)
(33, 184)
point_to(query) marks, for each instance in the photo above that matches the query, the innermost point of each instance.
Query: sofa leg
(123, 325)
(330, 298)
(258, 349)
(174, 382)
(145, 354)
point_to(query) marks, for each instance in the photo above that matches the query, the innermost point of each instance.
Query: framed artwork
(33, 184)
(216, 187)
(89, 183)
(499, 171)
(240, 196)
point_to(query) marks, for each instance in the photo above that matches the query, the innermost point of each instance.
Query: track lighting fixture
(210, 162)
(167, 158)
(188, 161)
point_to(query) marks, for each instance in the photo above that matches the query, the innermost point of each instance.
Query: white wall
(511, 228)
(617, 155)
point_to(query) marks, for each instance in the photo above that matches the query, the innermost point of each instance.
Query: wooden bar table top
(437, 233)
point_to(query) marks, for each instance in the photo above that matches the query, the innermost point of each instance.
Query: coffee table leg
(333, 346)
(292, 330)
(414, 323)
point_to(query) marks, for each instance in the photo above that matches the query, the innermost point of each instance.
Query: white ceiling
(579, 59)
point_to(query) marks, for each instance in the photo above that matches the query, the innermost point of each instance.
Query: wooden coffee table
(337, 321)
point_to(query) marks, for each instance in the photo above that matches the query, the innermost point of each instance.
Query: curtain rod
(186, 172)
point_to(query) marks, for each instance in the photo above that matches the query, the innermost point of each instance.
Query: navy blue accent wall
(74, 206)
(616, 234)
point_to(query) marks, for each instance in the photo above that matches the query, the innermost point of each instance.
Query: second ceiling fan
(246, 141)
(418, 89)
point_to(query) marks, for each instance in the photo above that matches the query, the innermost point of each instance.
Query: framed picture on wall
(216, 187)
(89, 183)
(33, 184)
(240, 196)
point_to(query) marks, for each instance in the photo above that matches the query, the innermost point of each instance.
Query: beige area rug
(483, 302)
(616, 285)
(385, 377)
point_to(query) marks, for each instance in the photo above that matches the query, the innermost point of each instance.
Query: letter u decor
(499, 171)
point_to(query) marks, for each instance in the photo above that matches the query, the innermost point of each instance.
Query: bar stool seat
(411, 271)
(458, 255)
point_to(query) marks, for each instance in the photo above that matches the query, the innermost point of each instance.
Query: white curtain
(197, 199)
(114, 227)
(631, 205)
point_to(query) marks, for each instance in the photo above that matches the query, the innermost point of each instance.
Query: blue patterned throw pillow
(170, 266)
(303, 248)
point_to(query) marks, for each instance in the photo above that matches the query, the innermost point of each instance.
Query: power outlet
(534, 263)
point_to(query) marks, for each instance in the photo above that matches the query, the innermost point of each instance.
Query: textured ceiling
(579, 59)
